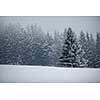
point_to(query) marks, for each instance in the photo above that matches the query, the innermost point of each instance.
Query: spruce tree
(92, 52)
(70, 50)
(57, 47)
(82, 43)
(46, 51)
(87, 46)
(97, 63)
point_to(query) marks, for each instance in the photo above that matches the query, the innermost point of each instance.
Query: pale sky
(49, 23)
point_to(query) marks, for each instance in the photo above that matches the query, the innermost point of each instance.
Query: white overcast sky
(50, 23)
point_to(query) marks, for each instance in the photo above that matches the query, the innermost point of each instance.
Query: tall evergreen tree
(70, 51)
(97, 64)
(87, 45)
(82, 43)
(57, 47)
(92, 52)
(46, 51)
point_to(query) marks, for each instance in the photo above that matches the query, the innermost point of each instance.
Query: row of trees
(31, 46)
(79, 52)
(28, 46)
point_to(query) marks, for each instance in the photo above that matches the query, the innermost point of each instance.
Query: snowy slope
(12, 73)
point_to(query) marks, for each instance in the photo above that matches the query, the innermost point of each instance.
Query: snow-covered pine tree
(70, 53)
(57, 47)
(46, 51)
(91, 52)
(36, 39)
(82, 43)
(87, 46)
(97, 63)
(3, 44)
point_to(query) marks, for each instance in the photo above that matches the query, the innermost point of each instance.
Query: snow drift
(20, 73)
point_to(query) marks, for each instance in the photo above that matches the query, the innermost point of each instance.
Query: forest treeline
(31, 46)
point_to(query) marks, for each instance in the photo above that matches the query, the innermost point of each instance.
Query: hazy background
(58, 23)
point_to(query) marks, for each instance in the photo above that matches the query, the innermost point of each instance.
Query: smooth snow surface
(12, 73)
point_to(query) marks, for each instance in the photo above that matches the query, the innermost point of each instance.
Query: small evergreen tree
(70, 52)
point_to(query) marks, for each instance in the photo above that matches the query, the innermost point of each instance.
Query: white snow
(17, 73)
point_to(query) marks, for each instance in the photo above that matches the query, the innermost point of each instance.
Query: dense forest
(31, 46)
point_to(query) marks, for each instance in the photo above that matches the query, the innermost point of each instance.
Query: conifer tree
(97, 63)
(70, 51)
(82, 43)
(92, 52)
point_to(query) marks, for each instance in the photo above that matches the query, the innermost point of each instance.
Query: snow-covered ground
(12, 73)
